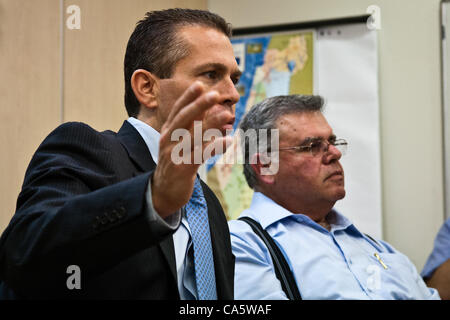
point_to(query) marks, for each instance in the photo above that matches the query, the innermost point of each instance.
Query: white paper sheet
(346, 75)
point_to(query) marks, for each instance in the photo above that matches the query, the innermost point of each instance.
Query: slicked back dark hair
(155, 47)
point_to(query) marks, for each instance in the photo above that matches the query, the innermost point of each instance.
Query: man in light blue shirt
(329, 257)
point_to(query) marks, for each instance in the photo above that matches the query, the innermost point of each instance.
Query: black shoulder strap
(282, 270)
(368, 236)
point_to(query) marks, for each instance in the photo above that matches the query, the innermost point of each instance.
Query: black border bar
(299, 25)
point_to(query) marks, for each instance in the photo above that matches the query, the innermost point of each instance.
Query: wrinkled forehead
(301, 126)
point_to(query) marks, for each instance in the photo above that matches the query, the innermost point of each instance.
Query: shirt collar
(338, 221)
(150, 136)
(266, 212)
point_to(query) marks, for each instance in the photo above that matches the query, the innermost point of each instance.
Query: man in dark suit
(110, 215)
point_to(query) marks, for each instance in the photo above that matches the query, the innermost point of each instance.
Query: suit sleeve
(71, 211)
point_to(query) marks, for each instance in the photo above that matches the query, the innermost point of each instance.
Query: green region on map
(287, 68)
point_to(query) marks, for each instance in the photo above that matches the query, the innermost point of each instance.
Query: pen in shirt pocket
(380, 261)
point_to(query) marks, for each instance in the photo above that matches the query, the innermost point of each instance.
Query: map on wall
(278, 64)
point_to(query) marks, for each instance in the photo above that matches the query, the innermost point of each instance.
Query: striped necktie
(197, 217)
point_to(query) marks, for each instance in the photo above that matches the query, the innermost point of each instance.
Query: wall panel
(93, 66)
(29, 89)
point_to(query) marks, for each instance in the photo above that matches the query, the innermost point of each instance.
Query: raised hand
(172, 182)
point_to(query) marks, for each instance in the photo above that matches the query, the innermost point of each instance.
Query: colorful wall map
(272, 65)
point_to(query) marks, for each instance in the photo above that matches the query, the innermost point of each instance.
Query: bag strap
(282, 270)
(368, 236)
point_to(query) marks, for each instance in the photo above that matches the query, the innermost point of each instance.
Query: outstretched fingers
(191, 106)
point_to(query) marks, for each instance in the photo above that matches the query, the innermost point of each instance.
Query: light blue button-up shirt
(335, 264)
(181, 238)
(441, 250)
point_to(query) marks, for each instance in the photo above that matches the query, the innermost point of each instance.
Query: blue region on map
(253, 60)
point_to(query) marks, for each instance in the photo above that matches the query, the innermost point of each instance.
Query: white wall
(410, 105)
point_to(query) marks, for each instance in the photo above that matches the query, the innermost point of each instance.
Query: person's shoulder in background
(436, 271)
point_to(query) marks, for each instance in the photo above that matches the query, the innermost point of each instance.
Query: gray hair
(264, 115)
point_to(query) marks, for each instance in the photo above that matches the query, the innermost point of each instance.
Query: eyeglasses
(320, 146)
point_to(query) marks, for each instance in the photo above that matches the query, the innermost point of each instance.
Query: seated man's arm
(255, 277)
(440, 280)
(436, 271)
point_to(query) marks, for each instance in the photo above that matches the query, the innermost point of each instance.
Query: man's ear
(260, 163)
(145, 88)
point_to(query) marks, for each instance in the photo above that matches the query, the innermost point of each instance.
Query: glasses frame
(324, 148)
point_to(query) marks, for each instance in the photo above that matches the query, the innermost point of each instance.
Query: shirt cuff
(171, 223)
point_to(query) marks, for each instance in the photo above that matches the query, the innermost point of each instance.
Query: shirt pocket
(400, 280)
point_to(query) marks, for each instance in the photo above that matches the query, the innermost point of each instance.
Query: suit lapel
(136, 147)
(140, 155)
(168, 251)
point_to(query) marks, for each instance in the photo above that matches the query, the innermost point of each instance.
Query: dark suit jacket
(83, 203)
